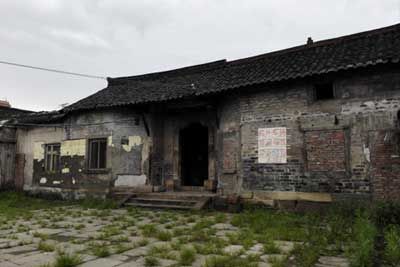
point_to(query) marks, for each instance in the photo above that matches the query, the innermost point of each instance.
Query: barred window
(52, 157)
(97, 153)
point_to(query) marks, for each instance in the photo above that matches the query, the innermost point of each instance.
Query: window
(97, 153)
(52, 157)
(324, 91)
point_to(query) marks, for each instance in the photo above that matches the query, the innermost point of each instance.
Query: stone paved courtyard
(128, 236)
(136, 237)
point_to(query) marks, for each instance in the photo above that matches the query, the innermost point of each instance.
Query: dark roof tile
(348, 52)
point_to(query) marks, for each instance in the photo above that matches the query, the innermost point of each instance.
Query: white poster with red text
(272, 145)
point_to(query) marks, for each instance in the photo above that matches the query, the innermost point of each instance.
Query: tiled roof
(7, 113)
(364, 49)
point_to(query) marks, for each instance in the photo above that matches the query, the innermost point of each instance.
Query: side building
(317, 122)
(9, 177)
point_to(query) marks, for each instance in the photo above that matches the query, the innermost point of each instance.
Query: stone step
(162, 201)
(158, 206)
(327, 261)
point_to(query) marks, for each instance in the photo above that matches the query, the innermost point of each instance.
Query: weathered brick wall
(228, 145)
(325, 150)
(273, 108)
(385, 169)
(329, 148)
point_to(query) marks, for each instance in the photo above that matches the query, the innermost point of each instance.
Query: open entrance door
(194, 155)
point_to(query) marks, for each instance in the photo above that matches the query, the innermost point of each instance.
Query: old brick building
(315, 122)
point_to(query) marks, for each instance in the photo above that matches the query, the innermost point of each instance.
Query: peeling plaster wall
(31, 143)
(127, 152)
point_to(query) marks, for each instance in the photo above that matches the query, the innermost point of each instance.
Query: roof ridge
(17, 109)
(323, 42)
(179, 71)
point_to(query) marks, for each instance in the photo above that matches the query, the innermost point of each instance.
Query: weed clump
(392, 248)
(45, 246)
(151, 261)
(187, 256)
(361, 252)
(229, 261)
(164, 235)
(67, 260)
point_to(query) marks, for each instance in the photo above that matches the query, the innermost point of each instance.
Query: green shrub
(386, 213)
(46, 247)
(151, 261)
(121, 248)
(187, 256)
(271, 248)
(361, 251)
(149, 230)
(277, 261)
(100, 250)
(98, 203)
(392, 248)
(220, 218)
(229, 261)
(162, 251)
(279, 225)
(305, 255)
(67, 260)
(164, 235)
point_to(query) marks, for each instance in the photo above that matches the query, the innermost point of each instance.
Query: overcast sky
(119, 38)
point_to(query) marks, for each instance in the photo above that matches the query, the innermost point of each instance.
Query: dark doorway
(194, 155)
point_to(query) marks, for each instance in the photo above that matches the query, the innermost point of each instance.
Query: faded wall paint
(73, 147)
(128, 161)
(28, 141)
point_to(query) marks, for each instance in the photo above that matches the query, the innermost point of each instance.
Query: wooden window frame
(91, 141)
(54, 168)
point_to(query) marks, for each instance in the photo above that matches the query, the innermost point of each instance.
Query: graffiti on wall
(272, 145)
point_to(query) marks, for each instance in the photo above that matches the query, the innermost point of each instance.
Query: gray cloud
(117, 37)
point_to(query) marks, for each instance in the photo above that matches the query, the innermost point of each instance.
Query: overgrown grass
(271, 248)
(278, 261)
(97, 203)
(164, 235)
(361, 252)
(230, 261)
(13, 204)
(149, 230)
(46, 246)
(99, 249)
(161, 251)
(67, 260)
(187, 256)
(151, 261)
(278, 225)
(392, 246)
